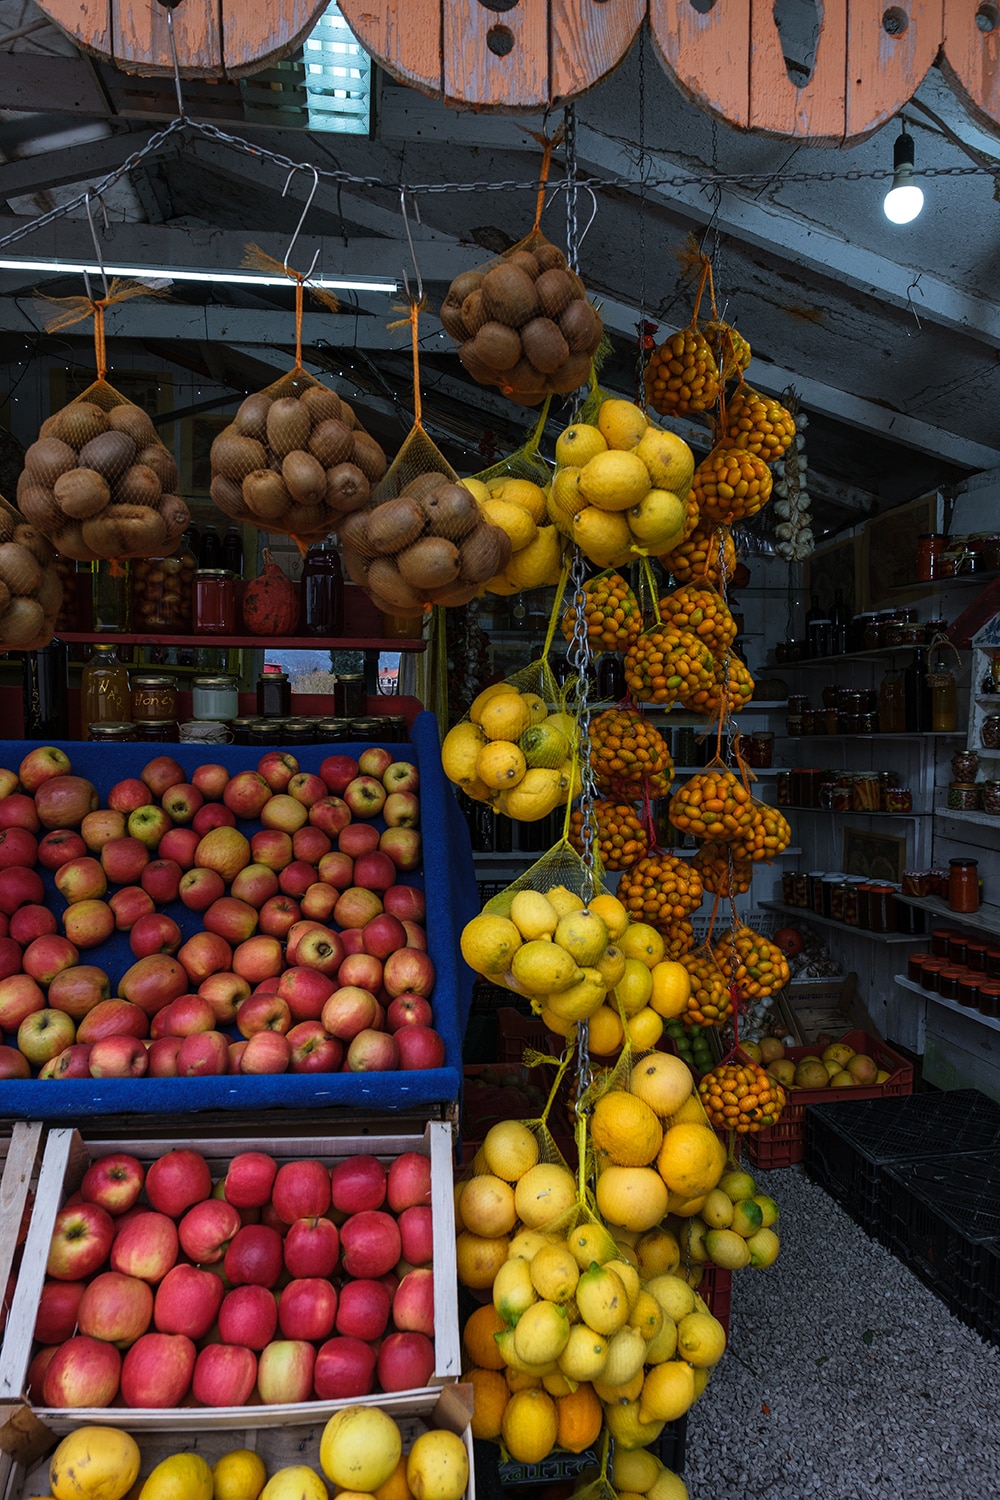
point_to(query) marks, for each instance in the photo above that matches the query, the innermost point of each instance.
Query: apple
(153, 982)
(124, 859)
(128, 905)
(163, 1054)
(420, 1048)
(18, 847)
(230, 919)
(125, 796)
(255, 884)
(204, 954)
(330, 815)
(310, 843)
(285, 1372)
(272, 847)
(199, 889)
(72, 1062)
(154, 933)
(254, 1256)
(178, 1180)
(78, 989)
(306, 991)
(20, 996)
(403, 846)
(361, 970)
(59, 847)
(383, 935)
(161, 773)
(307, 1308)
(405, 1362)
(44, 1034)
(109, 1018)
(416, 1230)
(258, 958)
(375, 871)
(348, 1012)
(409, 1183)
(14, 1064)
(336, 869)
(179, 844)
(19, 887)
(80, 880)
(81, 1238)
(409, 970)
(416, 936)
(408, 1010)
(46, 956)
(357, 1183)
(203, 1054)
(182, 801)
(28, 925)
(118, 1057)
(338, 771)
(285, 813)
(224, 850)
(98, 828)
(277, 768)
(370, 1243)
(211, 781)
(246, 794)
(83, 1372)
(401, 810)
(248, 1316)
(206, 1230)
(413, 1303)
(301, 1190)
(146, 1246)
(357, 839)
(320, 949)
(148, 825)
(187, 1301)
(212, 815)
(224, 1375)
(365, 797)
(113, 1182)
(297, 932)
(311, 1247)
(157, 1370)
(319, 900)
(249, 1179)
(307, 788)
(363, 1312)
(8, 781)
(344, 1370)
(88, 924)
(161, 879)
(374, 761)
(40, 764)
(401, 776)
(116, 1308)
(188, 1015)
(356, 905)
(296, 878)
(19, 811)
(224, 991)
(266, 1052)
(55, 1320)
(373, 1052)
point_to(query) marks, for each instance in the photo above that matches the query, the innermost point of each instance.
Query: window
(338, 77)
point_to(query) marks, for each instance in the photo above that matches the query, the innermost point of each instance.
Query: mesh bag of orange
(753, 963)
(758, 424)
(722, 873)
(769, 835)
(731, 484)
(660, 889)
(731, 350)
(715, 805)
(704, 555)
(711, 1001)
(668, 665)
(31, 590)
(731, 688)
(740, 1096)
(682, 377)
(612, 612)
(620, 836)
(627, 752)
(702, 612)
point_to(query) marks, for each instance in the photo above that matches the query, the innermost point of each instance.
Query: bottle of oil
(104, 690)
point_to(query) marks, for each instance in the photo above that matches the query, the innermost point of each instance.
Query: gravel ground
(845, 1377)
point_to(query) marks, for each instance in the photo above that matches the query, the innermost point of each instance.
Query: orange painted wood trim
(706, 53)
(885, 69)
(408, 44)
(477, 73)
(139, 31)
(586, 45)
(971, 62)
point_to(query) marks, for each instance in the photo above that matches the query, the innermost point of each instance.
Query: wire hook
(413, 254)
(97, 248)
(301, 167)
(593, 215)
(914, 286)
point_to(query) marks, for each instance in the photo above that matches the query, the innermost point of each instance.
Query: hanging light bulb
(904, 200)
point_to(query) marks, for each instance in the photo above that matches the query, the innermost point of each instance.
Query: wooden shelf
(247, 642)
(959, 815)
(929, 585)
(805, 915)
(854, 812)
(942, 1000)
(910, 734)
(863, 656)
(986, 919)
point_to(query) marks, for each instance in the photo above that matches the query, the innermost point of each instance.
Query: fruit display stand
(451, 900)
(67, 1157)
(20, 1154)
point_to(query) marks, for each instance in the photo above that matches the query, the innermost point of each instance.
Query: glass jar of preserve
(267, 731)
(163, 592)
(866, 792)
(991, 732)
(794, 726)
(214, 602)
(299, 732)
(989, 1000)
(957, 947)
(975, 956)
(215, 699)
(788, 888)
(930, 545)
(993, 962)
(801, 888)
(852, 904)
(165, 731)
(916, 882)
(914, 966)
(816, 891)
(109, 732)
(940, 938)
(939, 884)
(898, 799)
(274, 693)
(963, 796)
(882, 908)
(864, 890)
(323, 591)
(350, 700)
(948, 980)
(760, 747)
(368, 728)
(963, 884)
(828, 885)
(783, 788)
(965, 766)
(989, 798)
(333, 731)
(910, 919)
(797, 703)
(838, 900)
(104, 689)
(154, 697)
(241, 729)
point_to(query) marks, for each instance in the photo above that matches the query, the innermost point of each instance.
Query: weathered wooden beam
(63, 85)
(91, 159)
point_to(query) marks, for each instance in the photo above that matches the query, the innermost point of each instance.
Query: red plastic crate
(515, 1032)
(784, 1144)
(716, 1286)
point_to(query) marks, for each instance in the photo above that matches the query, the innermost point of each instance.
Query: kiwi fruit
(82, 493)
(474, 313)
(21, 622)
(464, 283)
(348, 416)
(554, 291)
(570, 376)
(525, 261)
(77, 423)
(526, 398)
(50, 592)
(425, 483)
(40, 506)
(581, 327)
(323, 405)
(132, 420)
(331, 442)
(47, 459)
(369, 456)
(157, 458)
(451, 511)
(483, 553)
(126, 531)
(385, 579)
(549, 256)
(508, 295)
(497, 346)
(265, 495)
(346, 488)
(69, 540)
(19, 569)
(395, 524)
(452, 321)
(110, 453)
(452, 594)
(139, 485)
(355, 566)
(34, 542)
(305, 477)
(251, 417)
(232, 456)
(288, 425)
(544, 345)
(308, 520)
(175, 515)
(523, 377)
(228, 496)
(354, 533)
(482, 374)
(429, 563)
(5, 596)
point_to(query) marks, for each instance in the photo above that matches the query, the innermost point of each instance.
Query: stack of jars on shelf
(843, 791)
(965, 793)
(959, 967)
(869, 905)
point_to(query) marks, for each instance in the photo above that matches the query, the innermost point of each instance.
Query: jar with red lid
(916, 882)
(882, 908)
(939, 941)
(963, 884)
(948, 980)
(993, 963)
(915, 964)
(975, 956)
(214, 602)
(958, 948)
(930, 972)
(967, 993)
(989, 1000)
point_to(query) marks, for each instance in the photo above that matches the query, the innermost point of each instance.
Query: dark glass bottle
(840, 617)
(323, 591)
(917, 694)
(812, 613)
(210, 549)
(46, 672)
(232, 551)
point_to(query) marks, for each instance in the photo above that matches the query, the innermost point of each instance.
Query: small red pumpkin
(271, 602)
(789, 940)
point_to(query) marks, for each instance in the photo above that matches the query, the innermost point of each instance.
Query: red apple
(199, 889)
(278, 916)
(63, 802)
(413, 1304)
(383, 935)
(162, 880)
(161, 773)
(363, 1312)
(224, 850)
(111, 1018)
(118, 1057)
(258, 958)
(403, 846)
(301, 1190)
(182, 801)
(401, 776)
(401, 810)
(179, 844)
(124, 859)
(204, 954)
(416, 936)
(14, 1064)
(44, 1034)
(188, 1015)
(19, 886)
(82, 1372)
(277, 768)
(320, 949)
(115, 1308)
(162, 1055)
(47, 956)
(203, 1054)
(273, 848)
(148, 825)
(352, 940)
(155, 933)
(211, 781)
(307, 1308)
(348, 1012)
(17, 847)
(357, 905)
(255, 884)
(374, 871)
(357, 1183)
(224, 1375)
(20, 996)
(319, 900)
(230, 919)
(330, 815)
(59, 847)
(212, 815)
(357, 839)
(307, 788)
(55, 1320)
(19, 811)
(405, 1362)
(153, 982)
(81, 1238)
(236, 1051)
(74, 1062)
(409, 970)
(344, 1370)
(338, 771)
(370, 1244)
(420, 1048)
(113, 1182)
(246, 793)
(250, 1178)
(100, 827)
(187, 1301)
(80, 880)
(206, 1229)
(409, 1183)
(408, 1010)
(365, 796)
(296, 878)
(373, 1052)
(416, 1230)
(88, 924)
(266, 1052)
(224, 991)
(362, 971)
(248, 1316)
(128, 905)
(311, 1247)
(284, 812)
(26, 924)
(310, 843)
(178, 1180)
(374, 761)
(336, 869)
(78, 989)
(125, 796)
(297, 932)
(42, 763)
(285, 1372)
(254, 1256)
(305, 990)
(157, 1370)
(145, 1245)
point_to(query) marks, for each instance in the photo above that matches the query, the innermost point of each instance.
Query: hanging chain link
(580, 659)
(640, 382)
(572, 190)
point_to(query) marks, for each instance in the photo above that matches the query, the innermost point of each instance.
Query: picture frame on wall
(833, 568)
(889, 560)
(876, 856)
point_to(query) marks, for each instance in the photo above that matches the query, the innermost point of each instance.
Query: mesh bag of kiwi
(99, 483)
(31, 591)
(295, 460)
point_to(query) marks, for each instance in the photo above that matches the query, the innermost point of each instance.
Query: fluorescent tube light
(174, 273)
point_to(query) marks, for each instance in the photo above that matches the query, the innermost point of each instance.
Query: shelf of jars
(969, 815)
(932, 585)
(805, 914)
(985, 919)
(247, 642)
(971, 1012)
(910, 734)
(853, 812)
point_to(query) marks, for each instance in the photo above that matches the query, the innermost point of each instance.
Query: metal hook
(413, 254)
(593, 216)
(97, 249)
(914, 286)
(302, 167)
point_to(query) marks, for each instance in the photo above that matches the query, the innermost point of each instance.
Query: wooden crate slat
(706, 54)
(971, 61)
(140, 38)
(409, 47)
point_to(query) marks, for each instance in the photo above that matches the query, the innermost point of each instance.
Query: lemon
(500, 765)
(662, 1081)
(614, 481)
(239, 1475)
(533, 915)
(625, 1425)
(544, 1193)
(627, 1273)
(585, 1354)
(613, 914)
(692, 1158)
(565, 500)
(554, 1273)
(584, 935)
(580, 1001)
(505, 717)
(570, 779)
(621, 423)
(611, 965)
(541, 1333)
(527, 1242)
(523, 492)
(564, 722)
(747, 1217)
(488, 1207)
(489, 943)
(536, 706)
(539, 563)
(459, 752)
(635, 1197)
(479, 791)
(510, 1149)
(644, 1029)
(667, 1392)
(537, 794)
(768, 1208)
(182, 1476)
(544, 968)
(437, 1467)
(646, 1316)
(626, 1356)
(578, 444)
(557, 1384)
(477, 488)
(602, 1299)
(518, 1381)
(641, 941)
(636, 1472)
(634, 990)
(625, 1129)
(544, 745)
(564, 900)
(663, 1345)
(717, 1209)
(670, 1486)
(530, 1426)
(691, 1112)
(479, 1260)
(701, 1339)
(658, 1252)
(590, 1244)
(499, 584)
(737, 1184)
(96, 1462)
(671, 988)
(658, 520)
(606, 1032)
(555, 1024)
(360, 1447)
(295, 1482)
(513, 1291)
(668, 459)
(513, 519)
(728, 1249)
(674, 1296)
(601, 535)
(764, 1247)
(487, 694)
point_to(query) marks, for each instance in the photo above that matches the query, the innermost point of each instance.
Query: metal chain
(572, 190)
(580, 658)
(641, 341)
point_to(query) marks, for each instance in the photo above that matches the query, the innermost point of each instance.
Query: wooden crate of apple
(303, 937)
(837, 1066)
(221, 1277)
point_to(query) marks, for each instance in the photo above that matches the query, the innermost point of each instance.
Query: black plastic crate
(848, 1144)
(988, 1301)
(493, 1478)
